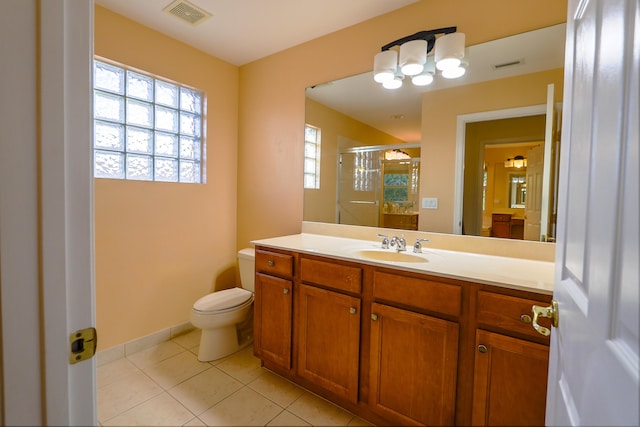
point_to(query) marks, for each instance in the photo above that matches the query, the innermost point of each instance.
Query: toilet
(226, 317)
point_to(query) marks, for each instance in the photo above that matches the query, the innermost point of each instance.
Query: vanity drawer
(509, 313)
(419, 293)
(274, 263)
(501, 217)
(337, 276)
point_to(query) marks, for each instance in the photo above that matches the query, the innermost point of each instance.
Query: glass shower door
(359, 188)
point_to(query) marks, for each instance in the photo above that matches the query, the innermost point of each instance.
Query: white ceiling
(242, 31)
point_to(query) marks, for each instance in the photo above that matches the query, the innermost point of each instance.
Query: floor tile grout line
(131, 408)
(277, 415)
(145, 401)
(242, 383)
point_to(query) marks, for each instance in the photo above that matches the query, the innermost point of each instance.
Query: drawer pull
(482, 348)
(285, 291)
(526, 319)
(374, 317)
(550, 312)
(352, 310)
(271, 263)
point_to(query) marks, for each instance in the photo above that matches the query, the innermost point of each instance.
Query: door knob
(285, 291)
(550, 312)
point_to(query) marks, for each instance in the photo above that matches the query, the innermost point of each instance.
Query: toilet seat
(220, 301)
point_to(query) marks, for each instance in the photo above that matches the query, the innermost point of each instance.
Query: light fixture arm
(429, 36)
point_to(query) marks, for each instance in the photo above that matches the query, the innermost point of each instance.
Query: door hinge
(83, 344)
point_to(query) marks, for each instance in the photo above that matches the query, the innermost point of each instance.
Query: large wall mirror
(376, 146)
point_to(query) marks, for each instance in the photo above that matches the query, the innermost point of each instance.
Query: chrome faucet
(399, 242)
(417, 247)
(385, 241)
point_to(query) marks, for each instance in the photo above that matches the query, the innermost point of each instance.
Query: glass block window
(365, 170)
(146, 128)
(311, 157)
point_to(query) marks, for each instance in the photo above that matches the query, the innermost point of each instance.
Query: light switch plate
(430, 203)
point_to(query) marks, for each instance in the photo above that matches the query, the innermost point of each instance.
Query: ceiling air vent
(508, 64)
(187, 12)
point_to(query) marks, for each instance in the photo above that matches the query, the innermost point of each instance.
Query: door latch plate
(82, 345)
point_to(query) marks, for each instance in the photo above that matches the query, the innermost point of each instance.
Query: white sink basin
(382, 255)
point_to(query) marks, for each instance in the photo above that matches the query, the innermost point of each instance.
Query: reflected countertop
(514, 273)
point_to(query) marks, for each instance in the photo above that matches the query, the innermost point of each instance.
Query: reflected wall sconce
(413, 60)
(516, 162)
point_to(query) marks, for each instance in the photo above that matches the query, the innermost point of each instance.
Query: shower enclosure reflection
(378, 187)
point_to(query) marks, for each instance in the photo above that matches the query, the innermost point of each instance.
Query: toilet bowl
(226, 317)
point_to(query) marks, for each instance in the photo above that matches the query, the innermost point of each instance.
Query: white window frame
(188, 158)
(312, 156)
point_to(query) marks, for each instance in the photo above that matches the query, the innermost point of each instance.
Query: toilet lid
(223, 300)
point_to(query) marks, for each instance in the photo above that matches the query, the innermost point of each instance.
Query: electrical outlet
(430, 203)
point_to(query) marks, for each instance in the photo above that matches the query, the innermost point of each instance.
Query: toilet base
(220, 342)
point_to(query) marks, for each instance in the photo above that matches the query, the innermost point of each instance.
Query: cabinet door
(510, 381)
(413, 366)
(272, 319)
(329, 340)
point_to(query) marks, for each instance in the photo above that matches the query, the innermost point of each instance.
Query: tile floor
(167, 385)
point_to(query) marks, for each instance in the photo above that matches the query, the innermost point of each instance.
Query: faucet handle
(417, 247)
(385, 240)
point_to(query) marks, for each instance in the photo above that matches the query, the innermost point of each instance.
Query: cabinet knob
(285, 291)
(374, 317)
(526, 319)
(482, 348)
(352, 310)
(271, 263)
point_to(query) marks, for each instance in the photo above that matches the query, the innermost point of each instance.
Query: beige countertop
(514, 273)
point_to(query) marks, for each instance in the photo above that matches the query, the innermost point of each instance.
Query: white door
(594, 362)
(548, 171)
(533, 200)
(46, 214)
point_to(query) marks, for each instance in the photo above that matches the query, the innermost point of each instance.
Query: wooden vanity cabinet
(328, 326)
(511, 363)
(413, 355)
(500, 225)
(505, 226)
(273, 308)
(398, 347)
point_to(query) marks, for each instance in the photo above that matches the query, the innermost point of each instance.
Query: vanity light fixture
(516, 162)
(519, 162)
(413, 60)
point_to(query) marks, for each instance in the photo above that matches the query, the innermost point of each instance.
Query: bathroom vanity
(437, 338)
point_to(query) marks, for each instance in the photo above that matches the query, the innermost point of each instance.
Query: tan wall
(160, 246)
(320, 204)
(272, 101)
